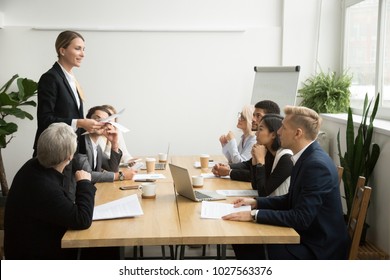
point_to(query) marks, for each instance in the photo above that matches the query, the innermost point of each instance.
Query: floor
(191, 252)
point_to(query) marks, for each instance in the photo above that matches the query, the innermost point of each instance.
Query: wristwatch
(253, 214)
(121, 176)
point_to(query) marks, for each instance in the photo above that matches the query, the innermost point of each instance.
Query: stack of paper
(128, 206)
(215, 210)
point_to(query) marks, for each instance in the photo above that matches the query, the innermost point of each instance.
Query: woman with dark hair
(271, 165)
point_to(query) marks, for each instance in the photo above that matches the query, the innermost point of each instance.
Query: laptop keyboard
(200, 195)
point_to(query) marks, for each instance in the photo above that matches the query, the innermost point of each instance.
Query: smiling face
(73, 54)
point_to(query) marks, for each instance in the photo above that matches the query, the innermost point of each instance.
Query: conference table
(170, 219)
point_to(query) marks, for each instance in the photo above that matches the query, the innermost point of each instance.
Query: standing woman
(60, 98)
(242, 151)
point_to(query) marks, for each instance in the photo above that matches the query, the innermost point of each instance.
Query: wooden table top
(171, 220)
(196, 230)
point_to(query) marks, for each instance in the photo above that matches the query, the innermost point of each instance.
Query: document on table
(212, 176)
(215, 210)
(148, 176)
(251, 193)
(211, 164)
(128, 206)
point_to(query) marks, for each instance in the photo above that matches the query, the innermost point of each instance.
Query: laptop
(183, 186)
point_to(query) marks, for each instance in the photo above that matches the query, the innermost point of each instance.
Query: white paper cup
(204, 161)
(148, 190)
(162, 157)
(150, 165)
(197, 181)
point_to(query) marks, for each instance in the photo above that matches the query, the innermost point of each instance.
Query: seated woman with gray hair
(39, 210)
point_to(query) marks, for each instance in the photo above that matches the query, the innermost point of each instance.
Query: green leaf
(8, 128)
(6, 100)
(8, 84)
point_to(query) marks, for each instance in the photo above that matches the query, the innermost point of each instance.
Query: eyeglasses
(241, 117)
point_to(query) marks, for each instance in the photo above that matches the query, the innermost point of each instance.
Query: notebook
(183, 186)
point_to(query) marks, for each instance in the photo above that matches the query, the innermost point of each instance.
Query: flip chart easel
(278, 84)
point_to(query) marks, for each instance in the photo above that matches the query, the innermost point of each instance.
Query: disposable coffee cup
(197, 181)
(162, 157)
(150, 165)
(204, 161)
(148, 190)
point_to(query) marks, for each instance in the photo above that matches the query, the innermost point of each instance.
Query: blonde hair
(247, 113)
(65, 38)
(56, 144)
(306, 119)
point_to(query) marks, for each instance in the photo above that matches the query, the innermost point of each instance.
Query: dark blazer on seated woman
(56, 101)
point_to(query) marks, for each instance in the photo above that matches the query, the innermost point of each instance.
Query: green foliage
(10, 104)
(361, 154)
(326, 93)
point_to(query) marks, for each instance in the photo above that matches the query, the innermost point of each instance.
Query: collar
(295, 157)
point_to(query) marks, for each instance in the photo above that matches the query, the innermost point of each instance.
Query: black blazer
(312, 207)
(56, 101)
(39, 211)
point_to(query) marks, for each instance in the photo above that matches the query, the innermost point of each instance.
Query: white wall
(180, 87)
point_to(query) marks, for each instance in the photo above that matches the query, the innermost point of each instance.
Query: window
(367, 51)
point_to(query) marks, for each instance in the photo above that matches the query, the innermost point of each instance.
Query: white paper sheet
(251, 193)
(128, 206)
(212, 176)
(211, 164)
(215, 210)
(148, 176)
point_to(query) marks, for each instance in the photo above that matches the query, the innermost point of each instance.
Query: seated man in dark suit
(91, 157)
(241, 171)
(312, 205)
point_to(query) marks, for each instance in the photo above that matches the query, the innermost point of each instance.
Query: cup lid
(150, 159)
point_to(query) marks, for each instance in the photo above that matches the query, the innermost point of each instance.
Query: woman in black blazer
(60, 99)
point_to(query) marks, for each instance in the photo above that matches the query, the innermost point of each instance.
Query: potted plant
(361, 154)
(10, 103)
(326, 92)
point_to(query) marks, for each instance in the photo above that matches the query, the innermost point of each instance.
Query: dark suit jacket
(105, 166)
(312, 206)
(39, 211)
(56, 101)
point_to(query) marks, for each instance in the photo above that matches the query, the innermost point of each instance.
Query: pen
(129, 187)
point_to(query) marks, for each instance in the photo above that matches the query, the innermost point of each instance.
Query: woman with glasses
(242, 151)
